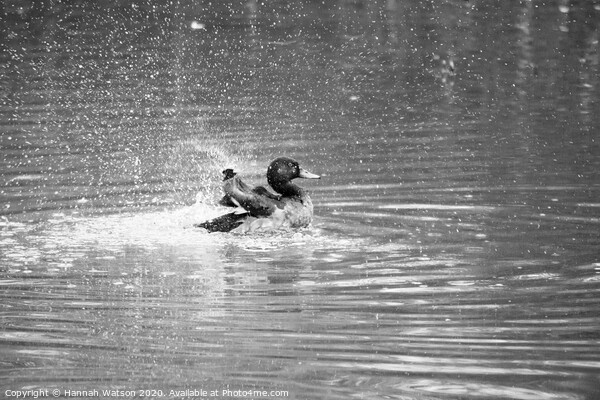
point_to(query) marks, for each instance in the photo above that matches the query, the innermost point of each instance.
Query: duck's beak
(307, 175)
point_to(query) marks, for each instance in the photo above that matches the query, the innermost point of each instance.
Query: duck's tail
(224, 223)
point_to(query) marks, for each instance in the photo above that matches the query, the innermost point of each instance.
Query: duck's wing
(250, 202)
(228, 201)
(258, 201)
(262, 191)
(224, 223)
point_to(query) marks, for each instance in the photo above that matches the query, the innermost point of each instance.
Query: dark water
(455, 252)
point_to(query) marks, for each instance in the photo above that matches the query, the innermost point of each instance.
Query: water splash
(195, 166)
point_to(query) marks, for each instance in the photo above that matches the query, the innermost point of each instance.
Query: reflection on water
(454, 252)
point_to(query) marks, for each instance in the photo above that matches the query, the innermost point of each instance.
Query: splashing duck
(289, 206)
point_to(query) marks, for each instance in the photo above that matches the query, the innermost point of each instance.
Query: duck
(286, 205)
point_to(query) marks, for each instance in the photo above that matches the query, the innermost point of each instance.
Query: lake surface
(455, 250)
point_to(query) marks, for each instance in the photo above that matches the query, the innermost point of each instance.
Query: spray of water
(194, 167)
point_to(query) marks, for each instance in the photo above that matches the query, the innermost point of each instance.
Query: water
(454, 252)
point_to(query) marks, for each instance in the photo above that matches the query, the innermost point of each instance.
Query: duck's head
(283, 169)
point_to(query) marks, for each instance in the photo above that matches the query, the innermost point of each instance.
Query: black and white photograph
(300, 200)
